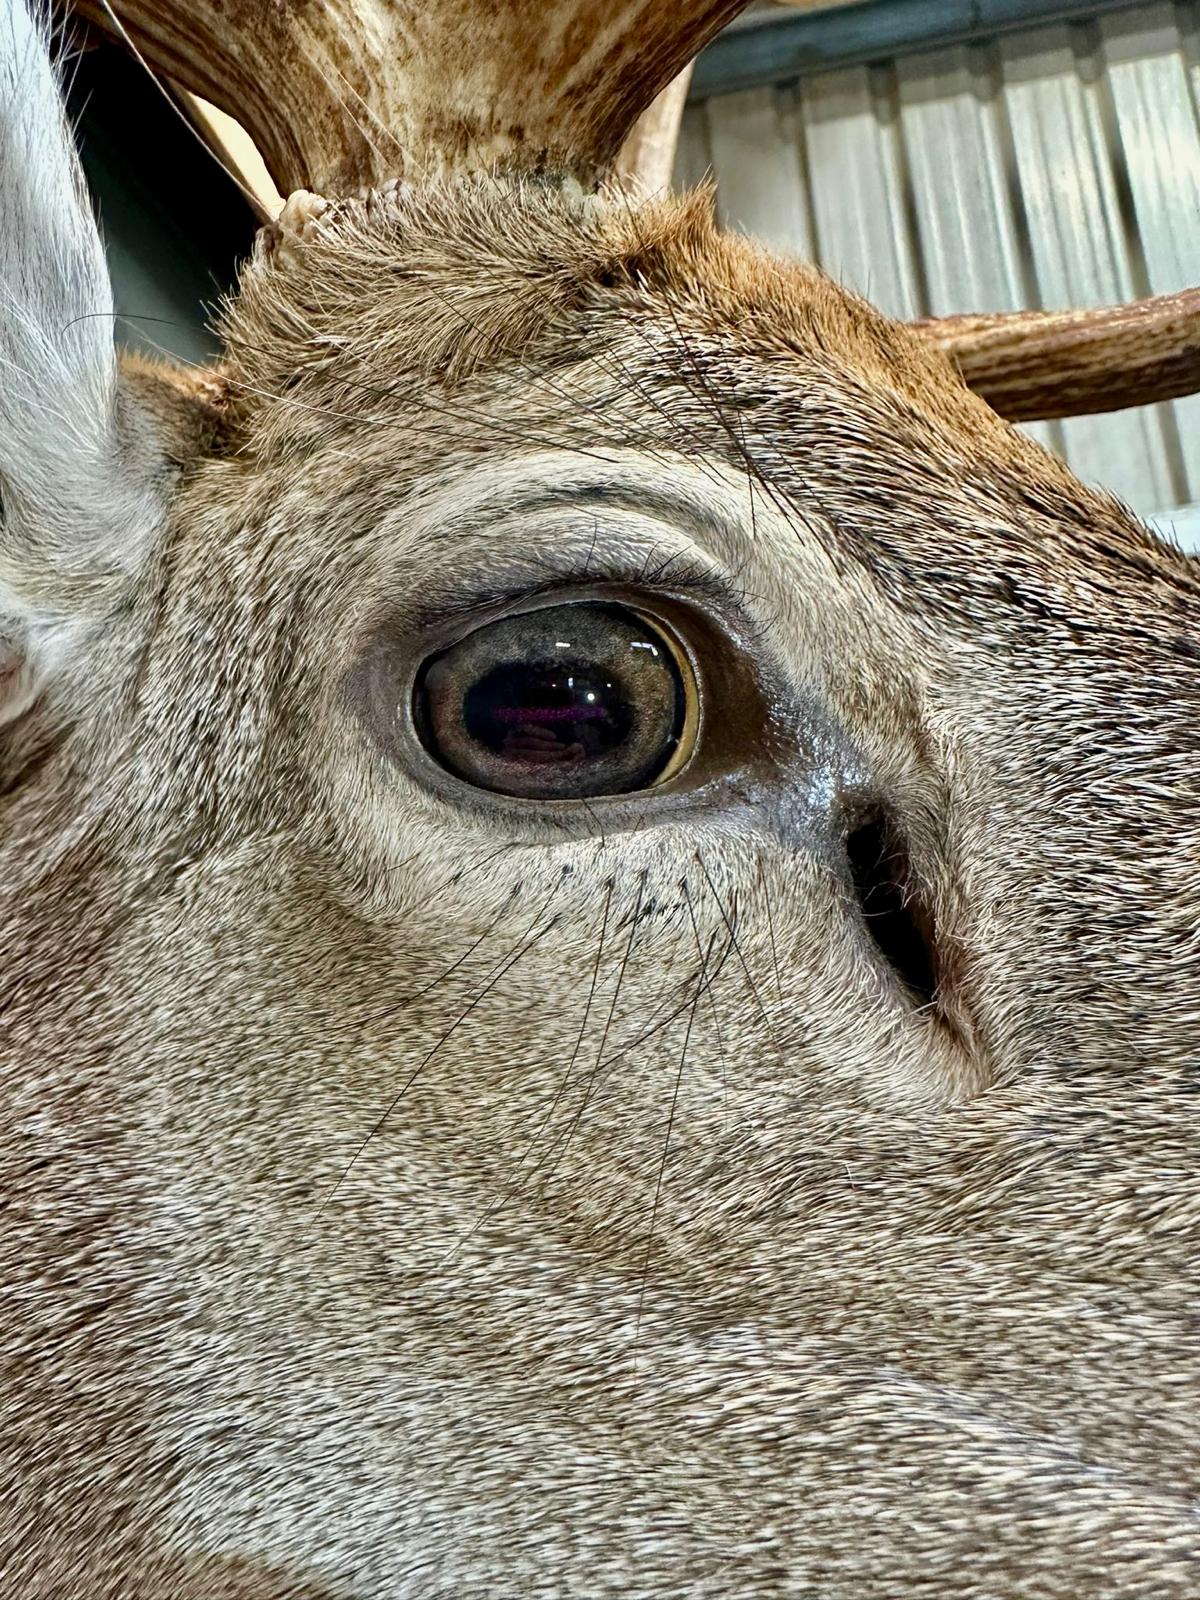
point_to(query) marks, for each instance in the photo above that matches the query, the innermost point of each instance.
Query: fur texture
(414, 1193)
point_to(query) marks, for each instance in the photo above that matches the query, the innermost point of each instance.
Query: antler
(648, 154)
(1030, 364)
(342, 95)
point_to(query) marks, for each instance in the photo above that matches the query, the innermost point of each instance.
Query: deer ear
(81, 487)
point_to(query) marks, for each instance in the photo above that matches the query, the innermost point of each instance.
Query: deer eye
(562, 703)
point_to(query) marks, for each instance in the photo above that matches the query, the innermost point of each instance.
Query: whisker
(436, 983)
(736, 434)
(498, 1203)
(703, 956)
(662, 1167)
(456, 414)
(697, 369)
(459, 414)
(758, 1000)
(649, 1033)
(589, 1086)
(690, 445)
(506, 963)
(762, 878)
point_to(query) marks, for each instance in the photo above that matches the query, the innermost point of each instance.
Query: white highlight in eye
(644, 644)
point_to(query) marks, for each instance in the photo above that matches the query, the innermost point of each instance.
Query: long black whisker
(762, 878)
(590, 1083)
(745, 965)
(662, 1167)
(436, 983)
(457, 414)
(780, 498)
(626, 1048)
(506, 963)
(706, 982)
(498, 1202)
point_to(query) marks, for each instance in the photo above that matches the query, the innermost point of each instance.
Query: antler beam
(1037, 364)
(341, 95)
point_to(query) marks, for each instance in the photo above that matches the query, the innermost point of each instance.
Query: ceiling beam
(786, 43)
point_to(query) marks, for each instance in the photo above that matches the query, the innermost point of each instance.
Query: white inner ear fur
(78, 506)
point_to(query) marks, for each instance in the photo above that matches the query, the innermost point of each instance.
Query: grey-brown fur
(916, 1312)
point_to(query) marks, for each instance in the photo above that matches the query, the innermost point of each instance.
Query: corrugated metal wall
(1051, 168)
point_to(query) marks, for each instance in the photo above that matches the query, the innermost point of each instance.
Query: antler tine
(648, 154)
(1034, 364)
(342, 95)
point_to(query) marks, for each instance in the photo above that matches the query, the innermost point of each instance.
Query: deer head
(598, 882)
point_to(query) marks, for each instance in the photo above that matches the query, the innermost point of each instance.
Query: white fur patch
(75, 516)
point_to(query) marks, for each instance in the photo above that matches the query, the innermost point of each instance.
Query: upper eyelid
(472, 607)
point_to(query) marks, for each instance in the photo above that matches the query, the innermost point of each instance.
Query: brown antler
(341, 95)
(1030, 364)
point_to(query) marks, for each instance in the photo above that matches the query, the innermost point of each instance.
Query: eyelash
(682, 575)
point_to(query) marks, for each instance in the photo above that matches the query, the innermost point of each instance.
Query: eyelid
(453, 617)
(725, 633)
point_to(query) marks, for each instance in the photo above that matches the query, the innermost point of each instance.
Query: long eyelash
(572, 398)
(562, 439)
(734, 430)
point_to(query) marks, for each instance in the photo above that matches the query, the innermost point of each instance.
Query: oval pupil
(557, 712)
